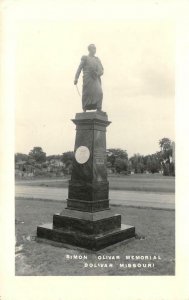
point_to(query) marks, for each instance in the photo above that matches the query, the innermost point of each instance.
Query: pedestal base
(91, 242)
(93, 231)
(87, 221)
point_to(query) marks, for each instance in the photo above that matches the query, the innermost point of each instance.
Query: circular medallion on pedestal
(82, 154)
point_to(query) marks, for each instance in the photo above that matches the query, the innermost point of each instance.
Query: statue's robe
(92, 91)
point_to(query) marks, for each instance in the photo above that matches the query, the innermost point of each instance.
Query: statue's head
(92, 49)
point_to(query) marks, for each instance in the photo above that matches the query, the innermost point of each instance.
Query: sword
(78, 90)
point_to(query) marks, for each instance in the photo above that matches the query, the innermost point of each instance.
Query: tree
(137, 163)
(121, 165)
(67, 157)
(37, 154)
(21, 157)
(165, 144)
(154, 165)
(115, 153)
(57, 156)
(148, 163)
(168, 166)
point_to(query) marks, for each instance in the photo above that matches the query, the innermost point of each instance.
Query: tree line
(117, 159)
(161, 161)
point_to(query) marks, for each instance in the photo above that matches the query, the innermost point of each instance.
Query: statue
(92, 71)
(88, 221)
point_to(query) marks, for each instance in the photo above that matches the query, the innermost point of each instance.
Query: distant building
(24, 169)
(56, 162)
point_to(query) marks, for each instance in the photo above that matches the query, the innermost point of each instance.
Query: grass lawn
(136, 182)
(155, 236)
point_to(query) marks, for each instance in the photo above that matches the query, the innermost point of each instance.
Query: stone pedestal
(88, 221)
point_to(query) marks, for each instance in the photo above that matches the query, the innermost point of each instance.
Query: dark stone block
(89, 180)
(88, 191)
(92, 116)
(78, 222)
(92, 242)
(90, 206)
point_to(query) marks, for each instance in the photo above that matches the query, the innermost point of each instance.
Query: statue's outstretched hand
(75, 81)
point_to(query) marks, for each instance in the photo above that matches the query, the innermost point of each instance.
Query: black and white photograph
(94, 161)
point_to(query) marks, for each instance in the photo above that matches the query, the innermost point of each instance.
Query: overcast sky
(138, 82)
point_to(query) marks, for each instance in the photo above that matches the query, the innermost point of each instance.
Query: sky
(138, 82)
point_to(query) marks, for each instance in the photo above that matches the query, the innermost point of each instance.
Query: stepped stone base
(91, 242)
(92, 231)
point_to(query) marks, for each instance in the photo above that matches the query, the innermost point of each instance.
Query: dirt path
(128, 198)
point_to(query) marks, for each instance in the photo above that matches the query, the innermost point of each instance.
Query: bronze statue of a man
(92, 71)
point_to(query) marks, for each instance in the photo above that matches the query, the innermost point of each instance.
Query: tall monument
(88, 221)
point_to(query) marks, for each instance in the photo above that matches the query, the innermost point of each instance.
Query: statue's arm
(79, 69)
